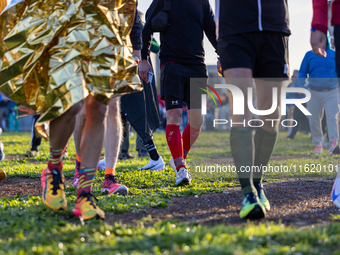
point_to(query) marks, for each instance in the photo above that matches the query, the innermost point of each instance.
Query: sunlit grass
(28, 226)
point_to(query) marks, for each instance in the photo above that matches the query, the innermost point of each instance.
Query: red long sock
(175, 143)
(55, 159)
(189, 136)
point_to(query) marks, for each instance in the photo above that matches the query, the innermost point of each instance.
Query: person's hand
(137, 54)
(144, 67)
(318, 40)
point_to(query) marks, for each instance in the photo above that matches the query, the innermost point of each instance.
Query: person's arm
(136, 32)
(320, 15)
(318, 38)
(147, 34)
(209, 25)
(303, 72)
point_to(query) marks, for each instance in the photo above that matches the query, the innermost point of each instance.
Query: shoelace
(89, 196)
(57, 180)
(78, 166)
(249, 197)
(183, 173)
(111, 178)
(258, 189)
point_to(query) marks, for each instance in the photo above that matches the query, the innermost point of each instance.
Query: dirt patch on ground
(299, 202)
(14, 156)
(296, 202)
(10, 187)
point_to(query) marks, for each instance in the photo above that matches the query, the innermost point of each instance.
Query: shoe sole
(124, 158)
(159, 168)
(119, 191)
(79, 213)
(183, 182)
(256, 213)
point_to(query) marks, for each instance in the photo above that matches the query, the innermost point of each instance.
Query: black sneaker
(125, 155)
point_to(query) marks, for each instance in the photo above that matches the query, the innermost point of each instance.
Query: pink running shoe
(112, 186)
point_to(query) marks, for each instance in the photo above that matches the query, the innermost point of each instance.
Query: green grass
(27, 226)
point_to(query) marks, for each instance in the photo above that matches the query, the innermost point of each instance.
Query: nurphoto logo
(238, 104)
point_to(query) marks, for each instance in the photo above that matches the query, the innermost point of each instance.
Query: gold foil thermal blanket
(53, 53)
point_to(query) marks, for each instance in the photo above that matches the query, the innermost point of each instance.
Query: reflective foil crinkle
(53, 54)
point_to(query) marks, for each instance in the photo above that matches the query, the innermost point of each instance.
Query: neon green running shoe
(252, 208)
(262, 197)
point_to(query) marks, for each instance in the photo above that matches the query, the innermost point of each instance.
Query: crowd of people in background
(8, 114)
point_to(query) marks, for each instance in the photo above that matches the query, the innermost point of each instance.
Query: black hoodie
(243, 16)
(182, 42)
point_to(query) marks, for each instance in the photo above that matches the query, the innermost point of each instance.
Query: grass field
(28, 226)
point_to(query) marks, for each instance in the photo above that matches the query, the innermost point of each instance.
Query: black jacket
(182, 42)
(136, 32)
(242, 16)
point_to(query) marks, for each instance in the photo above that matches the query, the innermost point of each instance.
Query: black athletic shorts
(176, 87)
(264, 52)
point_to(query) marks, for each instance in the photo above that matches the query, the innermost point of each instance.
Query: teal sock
(242, 150)
(264, 146)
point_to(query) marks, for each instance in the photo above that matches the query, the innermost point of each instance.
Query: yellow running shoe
(87, 208)
(2, 175)
(53, 189)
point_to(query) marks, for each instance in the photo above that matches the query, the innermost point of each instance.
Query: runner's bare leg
(94, 133)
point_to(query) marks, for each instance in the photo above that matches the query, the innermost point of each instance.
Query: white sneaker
(173, 166)
(182, 177)
(157, 165)
(318, 150)
(336, 191)
(101, 164)
(2, 154)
